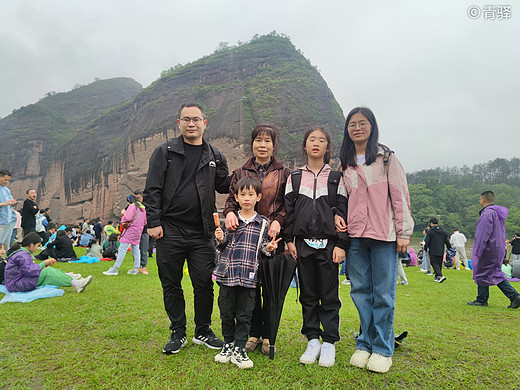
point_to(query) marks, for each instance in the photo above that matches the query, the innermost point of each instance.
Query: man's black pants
(177, 246)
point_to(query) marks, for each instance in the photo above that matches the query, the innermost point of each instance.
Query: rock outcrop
(263, 81)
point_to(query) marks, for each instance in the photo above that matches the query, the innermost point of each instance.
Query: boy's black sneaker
(209, 340)
(175, 343)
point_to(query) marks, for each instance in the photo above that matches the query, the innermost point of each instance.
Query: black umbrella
(276, 273)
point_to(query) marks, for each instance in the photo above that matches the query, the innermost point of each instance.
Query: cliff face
(264, 81)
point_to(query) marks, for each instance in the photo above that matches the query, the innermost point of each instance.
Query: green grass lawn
(111, 336)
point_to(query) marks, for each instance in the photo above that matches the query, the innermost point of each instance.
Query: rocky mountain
(266, 80)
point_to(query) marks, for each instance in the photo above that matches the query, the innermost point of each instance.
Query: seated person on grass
(111, 246)
(22, 274)
(94, 249)
(61, 248)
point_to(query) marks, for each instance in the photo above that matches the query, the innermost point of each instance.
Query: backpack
(111, 249)
(332, 185)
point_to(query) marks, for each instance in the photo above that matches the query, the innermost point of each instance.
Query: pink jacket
(132, 235)
(378, 206)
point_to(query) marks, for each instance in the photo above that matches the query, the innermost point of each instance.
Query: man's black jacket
(435, 240)
(212, 174)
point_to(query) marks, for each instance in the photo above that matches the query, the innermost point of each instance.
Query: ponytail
(30, 238)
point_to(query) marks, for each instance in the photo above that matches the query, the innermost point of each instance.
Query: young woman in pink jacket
(135, 220)
(379, 225)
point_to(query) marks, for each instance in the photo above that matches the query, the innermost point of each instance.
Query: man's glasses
(186, 120)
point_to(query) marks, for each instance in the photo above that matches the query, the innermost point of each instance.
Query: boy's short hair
(434, 220)
(110, 222)
(248, 182)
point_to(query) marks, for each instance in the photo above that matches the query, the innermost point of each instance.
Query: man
(488, 252)
(29, 211)
(458, 240)
(180, 199)
(436, 238)
(98, 228)
(7, 214)
(515, 256)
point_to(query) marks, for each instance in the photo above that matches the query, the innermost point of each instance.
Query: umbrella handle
(271, 352)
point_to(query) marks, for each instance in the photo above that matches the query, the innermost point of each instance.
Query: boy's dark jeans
(505, 287)
(236, 303)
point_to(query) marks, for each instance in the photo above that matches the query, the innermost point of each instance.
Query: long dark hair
(30, 238)
(348, 149)
(310, 130)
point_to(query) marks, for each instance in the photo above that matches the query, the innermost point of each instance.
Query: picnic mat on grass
(46, 291)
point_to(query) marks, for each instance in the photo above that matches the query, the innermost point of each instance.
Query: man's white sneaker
(360, 358)
(312, 352)
(327, 355)
(378, 363)
(111, 271)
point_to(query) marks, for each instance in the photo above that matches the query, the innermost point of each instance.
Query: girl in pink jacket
(379, 224)
(134, 220)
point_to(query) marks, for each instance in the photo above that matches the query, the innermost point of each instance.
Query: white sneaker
(225, 355)
(423, 270)
(378, 363)
(111, 271)
(240, 358)
(133, 271)
(327, 355)
(312, 352)
(81, 284)
(346, 282)
(360, 358)
(74, 276)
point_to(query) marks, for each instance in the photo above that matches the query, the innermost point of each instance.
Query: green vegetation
(56, 119)
(111, 336)
(453, 194)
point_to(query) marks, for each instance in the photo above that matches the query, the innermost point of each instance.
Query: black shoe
(175, 343)
(209, 340)
(477, 303)
(515, 304)
(441, 279)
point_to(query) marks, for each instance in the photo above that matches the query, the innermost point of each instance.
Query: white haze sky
(445, 88)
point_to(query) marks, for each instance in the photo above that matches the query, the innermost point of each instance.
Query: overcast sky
(445, 87)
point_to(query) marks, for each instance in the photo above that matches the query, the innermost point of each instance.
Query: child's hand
(338, 255)
(272, 245)
(50, 262)
(292, 250)
(339, 222)
(219, 234)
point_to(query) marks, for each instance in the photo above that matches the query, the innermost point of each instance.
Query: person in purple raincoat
(488, 252)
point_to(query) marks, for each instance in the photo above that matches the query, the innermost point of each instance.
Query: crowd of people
(357, 214)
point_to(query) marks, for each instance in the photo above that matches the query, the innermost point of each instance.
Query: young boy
(236, 271)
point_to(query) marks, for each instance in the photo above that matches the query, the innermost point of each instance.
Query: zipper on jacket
(313, 220)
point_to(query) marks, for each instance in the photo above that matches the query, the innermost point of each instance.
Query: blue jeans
(373, 276)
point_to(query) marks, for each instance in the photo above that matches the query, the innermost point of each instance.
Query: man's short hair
(5, 172)
(30, 189)
(489, 196)
(52, 225)
(434, 220)
(47, 209)
(248, 182)
(42, 211)
(110, 222)
(191, 105)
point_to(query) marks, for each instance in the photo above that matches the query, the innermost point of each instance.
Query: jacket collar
(275, 164)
